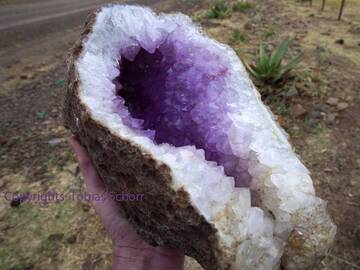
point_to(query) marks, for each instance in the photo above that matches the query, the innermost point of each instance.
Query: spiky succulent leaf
(252, 70)
(270, 69)
(278, 55)
(263, 59)
(293, 63)
(288, 67)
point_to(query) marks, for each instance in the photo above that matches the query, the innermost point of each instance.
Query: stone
(85, 207)
(332, 101)
(342, 106)
(314, 113)
(25, 76)
(71, 239)
(340, 41)
(297, 110)
(56, 141)
(16, 202)
(293, 92)
(330, 118)
(167, 112)
(248, 26)
(74, 169)
(56, 237)
(311, 122)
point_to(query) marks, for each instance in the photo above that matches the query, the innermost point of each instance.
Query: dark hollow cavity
(178, 92)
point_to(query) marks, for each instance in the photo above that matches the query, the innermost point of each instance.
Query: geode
(167, 112)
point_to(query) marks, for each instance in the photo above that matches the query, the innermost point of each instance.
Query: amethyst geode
(167, 112)
(178, 93)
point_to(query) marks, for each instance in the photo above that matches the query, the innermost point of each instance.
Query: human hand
(130, 252)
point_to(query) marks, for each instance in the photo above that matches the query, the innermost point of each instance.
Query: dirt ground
(318, 106)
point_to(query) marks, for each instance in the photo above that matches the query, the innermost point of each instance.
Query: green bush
(219, 10)
(242, 6)
(270, 69)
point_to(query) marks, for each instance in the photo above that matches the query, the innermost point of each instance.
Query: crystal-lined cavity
(178, 91)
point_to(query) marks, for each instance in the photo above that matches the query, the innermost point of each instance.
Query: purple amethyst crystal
(178, 92)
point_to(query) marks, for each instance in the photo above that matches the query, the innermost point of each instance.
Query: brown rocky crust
(163, 216)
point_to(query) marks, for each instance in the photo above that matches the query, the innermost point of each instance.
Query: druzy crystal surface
(178, 92)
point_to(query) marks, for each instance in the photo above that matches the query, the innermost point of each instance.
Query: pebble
(297, 110)
(56, 237)
(314, 113)
(71, 239)
(340, 41)
(56, 141)
(342, 106)
(332, 101)
(16, 202)
(5, 227)
(311, 122)
(74, 169)
(330, 118)
(354, 182)
(85, 207)
(25, 76)
(349, 98)
(292, 93)
(248, 26)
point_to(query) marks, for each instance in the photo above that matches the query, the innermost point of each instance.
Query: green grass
(219, 10)
(60, 82)
(242, 6)
(41, 114)
(269, 32)
(237, 37)
(282, 109)
(320, 55)
(30, 227)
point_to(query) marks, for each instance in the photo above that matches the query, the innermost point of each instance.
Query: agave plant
(270, 69)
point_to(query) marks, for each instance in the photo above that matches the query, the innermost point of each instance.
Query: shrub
(219, 10)
(242, 6)
(270, 69)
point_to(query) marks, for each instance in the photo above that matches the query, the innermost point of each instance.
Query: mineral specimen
(170, 113)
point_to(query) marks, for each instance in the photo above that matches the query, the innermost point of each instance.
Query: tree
(341, 9)
(323, 5)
